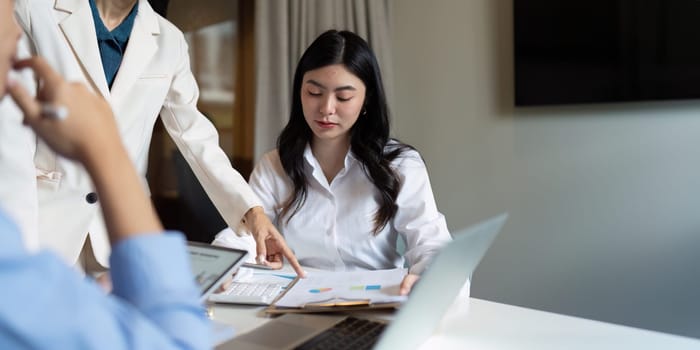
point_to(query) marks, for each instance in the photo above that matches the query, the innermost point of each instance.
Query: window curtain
(283, 30)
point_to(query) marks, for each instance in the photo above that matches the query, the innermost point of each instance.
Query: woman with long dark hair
(339, 188)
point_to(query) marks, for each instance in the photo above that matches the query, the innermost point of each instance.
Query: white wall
(604, 199)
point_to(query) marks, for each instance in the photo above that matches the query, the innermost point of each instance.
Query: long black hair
(369, 136)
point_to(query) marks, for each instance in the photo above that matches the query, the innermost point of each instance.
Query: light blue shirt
(45, 304)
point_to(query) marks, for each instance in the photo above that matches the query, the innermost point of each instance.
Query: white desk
(481, 324)
(491, 325)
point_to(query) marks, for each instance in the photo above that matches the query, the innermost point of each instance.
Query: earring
(364, 111)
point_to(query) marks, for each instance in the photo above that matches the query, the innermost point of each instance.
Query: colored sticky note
(320, 290)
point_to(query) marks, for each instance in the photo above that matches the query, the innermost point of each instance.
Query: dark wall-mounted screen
(584, 51)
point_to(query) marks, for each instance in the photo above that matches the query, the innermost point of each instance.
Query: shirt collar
(309, 157)
(350, 158)
(121, 33)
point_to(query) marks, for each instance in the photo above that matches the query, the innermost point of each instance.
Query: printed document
(344, 288)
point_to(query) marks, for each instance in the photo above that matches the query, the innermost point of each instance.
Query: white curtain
(283, 30)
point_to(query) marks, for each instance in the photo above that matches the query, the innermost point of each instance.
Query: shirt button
(91, 197)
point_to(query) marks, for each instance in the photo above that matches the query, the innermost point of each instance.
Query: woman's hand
(70, 118)
(270, 245)
(407, 283)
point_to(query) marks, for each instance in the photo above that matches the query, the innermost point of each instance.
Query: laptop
(412, 325)
(212, 265)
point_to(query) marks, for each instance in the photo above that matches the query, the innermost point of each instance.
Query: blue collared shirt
(112, 44)
(45, 304)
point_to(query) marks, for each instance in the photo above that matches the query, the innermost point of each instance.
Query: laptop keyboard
(351, 333)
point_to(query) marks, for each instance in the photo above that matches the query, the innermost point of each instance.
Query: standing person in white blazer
(138, 61)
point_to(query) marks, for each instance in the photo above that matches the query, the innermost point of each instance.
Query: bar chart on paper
(381, 286)
(320, 290)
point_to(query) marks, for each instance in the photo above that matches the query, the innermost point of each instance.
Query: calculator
(252, 293)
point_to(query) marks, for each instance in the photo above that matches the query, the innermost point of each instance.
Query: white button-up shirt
(333, 229)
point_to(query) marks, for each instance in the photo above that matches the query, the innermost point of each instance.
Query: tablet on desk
(212, 265)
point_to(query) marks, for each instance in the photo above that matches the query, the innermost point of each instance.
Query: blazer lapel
(139, 51)
(79, 29)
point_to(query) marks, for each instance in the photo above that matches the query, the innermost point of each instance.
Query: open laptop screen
(211, 264)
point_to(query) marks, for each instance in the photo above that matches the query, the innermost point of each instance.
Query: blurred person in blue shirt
(46, 303)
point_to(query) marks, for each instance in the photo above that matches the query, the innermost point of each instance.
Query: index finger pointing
(293, 261)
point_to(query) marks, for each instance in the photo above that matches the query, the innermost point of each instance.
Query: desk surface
(480, 324)
(491, 325)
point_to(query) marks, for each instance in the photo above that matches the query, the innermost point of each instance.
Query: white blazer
(18, 187)
(154, 79)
